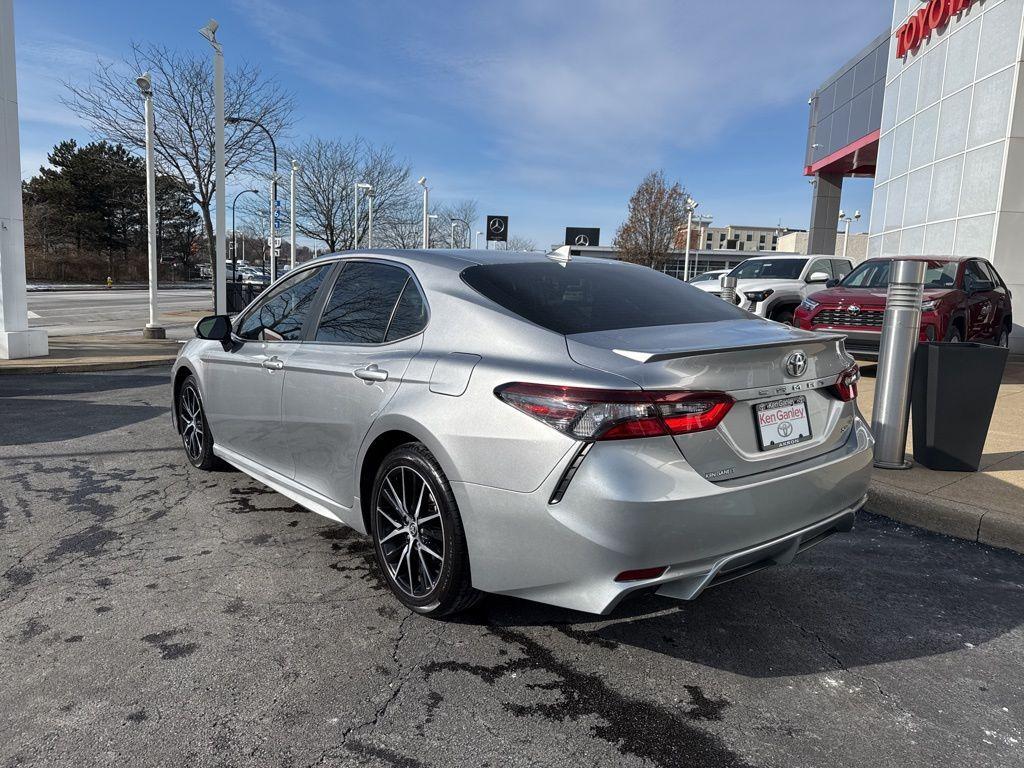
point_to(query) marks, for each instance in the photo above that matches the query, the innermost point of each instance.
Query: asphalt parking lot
(152, 614)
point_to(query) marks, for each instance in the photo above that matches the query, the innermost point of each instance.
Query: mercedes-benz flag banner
(497, 228)
(582, 236)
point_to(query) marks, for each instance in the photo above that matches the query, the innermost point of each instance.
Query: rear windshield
(586, 297)
(875, 274)
(759, 269)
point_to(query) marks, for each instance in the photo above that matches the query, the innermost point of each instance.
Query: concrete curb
(109, 365)
(964, 521)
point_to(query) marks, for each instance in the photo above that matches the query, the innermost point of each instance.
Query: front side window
(840, 268)
(972, 276)
(875, 274)
(361, 303)
(760, 269)
(281, 315)
(821, 265)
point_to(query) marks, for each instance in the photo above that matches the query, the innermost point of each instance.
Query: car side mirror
(983, 286)
(818, 277)
(214, 328)
(832, 282)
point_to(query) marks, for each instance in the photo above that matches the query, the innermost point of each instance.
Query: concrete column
(16, 340)
(821, 237)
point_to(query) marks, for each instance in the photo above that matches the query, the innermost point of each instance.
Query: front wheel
(194, 429)
(784, 316)
(418, 538)
(1003, 339)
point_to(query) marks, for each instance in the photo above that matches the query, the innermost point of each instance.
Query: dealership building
(933, 110)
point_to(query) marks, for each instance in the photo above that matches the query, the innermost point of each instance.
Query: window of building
(750, 237)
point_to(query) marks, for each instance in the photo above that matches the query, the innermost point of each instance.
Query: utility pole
(220, 288)
(152, 329)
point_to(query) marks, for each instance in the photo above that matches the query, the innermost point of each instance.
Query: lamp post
(234, 235)
(370, 194)
(355, 210)
(847, 221)
(478, 236)
(273, 187)
(426, 204)
(691, 206)
(464, 223)
(220, 268)
(291, 197)
(152, 329)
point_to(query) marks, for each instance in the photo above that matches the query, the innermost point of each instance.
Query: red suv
(964, 300)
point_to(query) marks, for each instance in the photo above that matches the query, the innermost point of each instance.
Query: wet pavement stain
(169, 651)
(88, 542)
(136, 717)
(634, 726)
(384, 756)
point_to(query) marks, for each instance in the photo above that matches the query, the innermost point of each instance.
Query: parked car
(964, 300)
(708, 281)
(774, 286)
(567, 431)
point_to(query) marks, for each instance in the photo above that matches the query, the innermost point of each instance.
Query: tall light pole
(426, 205)
(464, 223)
(847, 221)
(291, 198)
(478, 236)
(273, 187)
(234, 236)
(691, 206)
(220, 288)
(355, 210)
(152, 329)
(370, 194)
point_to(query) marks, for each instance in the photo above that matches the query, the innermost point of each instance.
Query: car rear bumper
(636, 504)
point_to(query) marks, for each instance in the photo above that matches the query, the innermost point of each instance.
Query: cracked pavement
(152, 614)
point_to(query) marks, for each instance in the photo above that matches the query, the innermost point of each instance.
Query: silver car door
(340, 379)
(244, 380)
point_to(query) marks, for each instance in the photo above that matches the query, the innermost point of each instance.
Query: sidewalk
(75, 354)
(985, 506)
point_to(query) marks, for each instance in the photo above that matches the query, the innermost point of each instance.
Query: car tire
(196, 437)
(418, 538)
(784, 316)
(953, 335)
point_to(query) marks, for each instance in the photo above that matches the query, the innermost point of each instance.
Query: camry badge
(796, 364)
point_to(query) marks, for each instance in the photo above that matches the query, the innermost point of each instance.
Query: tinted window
(840, 268)
(759, 269)
(410, 314)
(989, 270)
(360, 304)
(875, 274)
(281, 315)
(583, 297)
(972, 276)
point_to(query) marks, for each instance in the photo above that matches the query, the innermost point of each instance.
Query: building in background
(738, 238)
(933, 109)
(799, 242)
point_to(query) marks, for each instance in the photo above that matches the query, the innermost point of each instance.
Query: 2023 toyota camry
(567, 431)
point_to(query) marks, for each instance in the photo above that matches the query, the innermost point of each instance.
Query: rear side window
(582, 297)
(361, 303)
(410, 314)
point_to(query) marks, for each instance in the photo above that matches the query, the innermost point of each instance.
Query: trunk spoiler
(657, 357)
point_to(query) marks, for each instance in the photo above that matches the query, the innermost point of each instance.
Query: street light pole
(690, 206)
(464, 223)
(220, 268)
(291, 193)
(426, 205)
(478, 236)
(273, 187)
(152, 329)
(370, 194)
(355, 209)
(234, 236)
(846, 234)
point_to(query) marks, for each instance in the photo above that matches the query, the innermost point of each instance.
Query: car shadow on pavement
(29, 420)
(886, 593)
(18, 385)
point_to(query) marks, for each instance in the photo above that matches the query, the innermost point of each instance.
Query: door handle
(371, 373)
(272, 364)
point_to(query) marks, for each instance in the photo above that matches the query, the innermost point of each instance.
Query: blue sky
(550, 112)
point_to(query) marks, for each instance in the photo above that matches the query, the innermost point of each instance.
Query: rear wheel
(953, 335)
(194, 429)
(784, 316)
(418, 538)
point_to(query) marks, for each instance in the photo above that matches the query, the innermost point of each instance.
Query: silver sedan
(567, 431)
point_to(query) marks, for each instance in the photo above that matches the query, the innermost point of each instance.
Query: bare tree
(518, 243)
(183, 103)
(328, 170)
(463, 213)
(656, 211)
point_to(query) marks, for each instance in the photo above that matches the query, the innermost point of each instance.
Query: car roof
(783, 256)
(923, 258)
(457, 259)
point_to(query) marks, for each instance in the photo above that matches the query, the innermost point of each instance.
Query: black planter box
(952, 396)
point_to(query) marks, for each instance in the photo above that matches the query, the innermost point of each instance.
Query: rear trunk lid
(745, 358)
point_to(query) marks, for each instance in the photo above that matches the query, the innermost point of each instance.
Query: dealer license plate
(782, 422)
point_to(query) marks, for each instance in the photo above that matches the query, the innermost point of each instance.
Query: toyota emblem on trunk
(796, 364)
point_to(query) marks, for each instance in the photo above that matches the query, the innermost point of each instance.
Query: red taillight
(845, 387)
(610, 414)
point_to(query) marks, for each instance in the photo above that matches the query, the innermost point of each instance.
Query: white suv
(774, 286)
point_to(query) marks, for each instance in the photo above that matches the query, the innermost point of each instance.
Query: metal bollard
(729, 288)
(901, 328)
